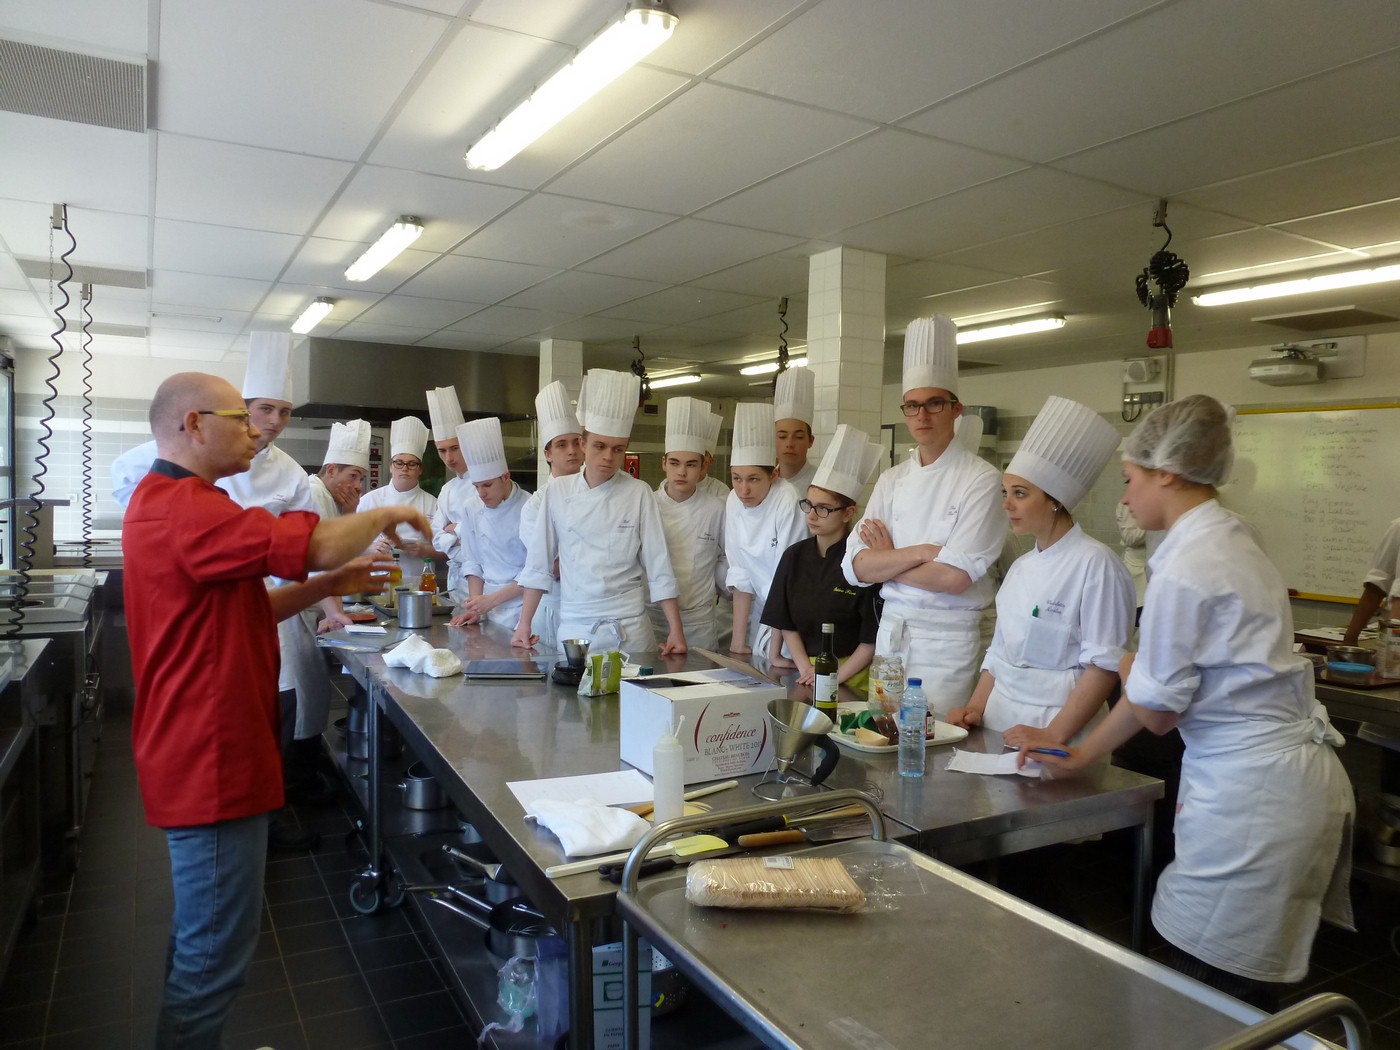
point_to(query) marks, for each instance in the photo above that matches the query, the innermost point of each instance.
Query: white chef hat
(931, 354)
(607, 404)
(847, 463)
(1065, 450)
(967, 431)
(555, 414)
(712, 436)
(407, 437)
(754, 444)
(687, 425)
(444, 412)
(269, 366)
(349, 445)
(795, 395)
(483, 448)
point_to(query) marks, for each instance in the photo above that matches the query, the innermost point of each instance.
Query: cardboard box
(726, 732)
(607, 996)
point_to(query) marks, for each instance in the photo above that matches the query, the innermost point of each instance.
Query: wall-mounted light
(643, 27)
(1008, 328)
(1324, 282)
(383, 251)
(313, 315)
(685, 379)
(771, 366)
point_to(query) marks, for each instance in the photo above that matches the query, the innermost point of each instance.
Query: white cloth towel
(421, 658)
(585, 826)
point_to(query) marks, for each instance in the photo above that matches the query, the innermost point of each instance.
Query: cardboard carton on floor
(726, 732)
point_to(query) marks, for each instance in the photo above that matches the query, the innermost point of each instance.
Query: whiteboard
(1321, 485)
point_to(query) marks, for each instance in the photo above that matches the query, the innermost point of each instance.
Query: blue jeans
(217, 871)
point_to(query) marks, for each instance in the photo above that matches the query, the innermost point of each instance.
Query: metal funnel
(796, 727)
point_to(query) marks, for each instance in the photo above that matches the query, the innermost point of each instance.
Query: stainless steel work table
(1381, 706)
(475, 737)
(954, 963)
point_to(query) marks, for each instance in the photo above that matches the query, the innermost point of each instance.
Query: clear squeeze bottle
(668, 774)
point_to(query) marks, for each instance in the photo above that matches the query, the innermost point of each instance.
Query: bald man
(203, 636)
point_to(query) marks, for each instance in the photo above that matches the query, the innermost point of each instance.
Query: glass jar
(886, 683)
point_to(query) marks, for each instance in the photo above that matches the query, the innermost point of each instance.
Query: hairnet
(1189, 437)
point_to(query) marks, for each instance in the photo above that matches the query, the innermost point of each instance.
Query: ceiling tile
(211, 53)
(110, 28)
(107, 239)
(475, 280)
(509, 322)
(548, 230)
(412, 311)
(1231, 252)
(715, 30)
(576, 292)
(688, 249)
(704, 159)
(64, 157)
(202, 290)
(197, 247)
(815, 198)
(784, 273)
(1351, 228)
(598, 330)
(393, 335)
(451, 340)
(912, 53)
(1285, 126)
(917, 279)
(679, 305)
(226, 185)
(1024, 113)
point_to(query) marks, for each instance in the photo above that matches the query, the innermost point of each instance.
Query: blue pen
(1058, 752)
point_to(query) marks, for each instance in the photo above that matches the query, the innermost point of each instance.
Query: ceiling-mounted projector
(1290, 366)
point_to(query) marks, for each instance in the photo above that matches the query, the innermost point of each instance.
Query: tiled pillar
(846, 340)
(560, 359)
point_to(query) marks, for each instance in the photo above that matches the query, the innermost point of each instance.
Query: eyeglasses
(932, 406)
(240, 414)
(807, 506)
(406, 464)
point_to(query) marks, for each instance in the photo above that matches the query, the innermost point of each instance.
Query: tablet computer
(522, 668)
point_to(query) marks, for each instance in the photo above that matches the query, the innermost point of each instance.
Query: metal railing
(1298, 1018)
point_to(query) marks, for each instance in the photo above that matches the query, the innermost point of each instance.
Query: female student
(1265, 810)
(1065, 609)
(809, 588)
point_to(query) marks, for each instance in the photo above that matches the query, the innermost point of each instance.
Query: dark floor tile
(92, 875)
(1373, 1002)
(389, 923)
(341, 863)
(82, 977)
(320, 965)
(31, 955)
(154, 912)
(112, 924)
(281, 1037)
(23, 1022)
(264, 1010)
(389, 951)
(96, 1005)
(103, 898)
(49, 904)
(148, 890)
(310, 938)
(403, 982)
(331, 997)
(443, 1039)
(21, 989)
(47, 928)
(267, 948)
(283, 868)
(152, 867)
(352, 1030)
(287, 891)
(265, 975)
(302, 913)
(424, 1013)
(115, 1035)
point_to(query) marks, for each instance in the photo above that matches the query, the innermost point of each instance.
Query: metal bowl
(1350, 654)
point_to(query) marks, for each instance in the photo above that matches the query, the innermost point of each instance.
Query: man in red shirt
(204, 651)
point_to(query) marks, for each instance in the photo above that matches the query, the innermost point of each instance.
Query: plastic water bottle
(913, 717)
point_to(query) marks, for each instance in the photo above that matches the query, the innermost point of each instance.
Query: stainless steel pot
(416, 609)
(357, 744)
(420, 790)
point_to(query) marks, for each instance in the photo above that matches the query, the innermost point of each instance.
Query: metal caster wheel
(395, 895)
(365, 899)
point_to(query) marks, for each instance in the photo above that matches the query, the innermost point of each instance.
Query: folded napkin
(990, 765)
(421, 658)
(585, 826)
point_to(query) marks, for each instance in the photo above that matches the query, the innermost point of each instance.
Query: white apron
(305, 665)
(700, 623)
(637, 635)
(941, 647)
(1263, 846)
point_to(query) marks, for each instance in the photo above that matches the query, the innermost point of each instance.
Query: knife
(645, 809)
(731, 832)
(794, 835)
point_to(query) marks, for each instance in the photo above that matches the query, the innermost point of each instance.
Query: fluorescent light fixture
(770, 366)
(1325, 282)
(313, 315)
(643, 27)
(383, 251)
(681, 380)
(1014, 326)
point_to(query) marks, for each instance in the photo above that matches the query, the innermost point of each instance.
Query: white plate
(943, 733)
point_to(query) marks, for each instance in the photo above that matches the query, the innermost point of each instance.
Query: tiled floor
(87, 976)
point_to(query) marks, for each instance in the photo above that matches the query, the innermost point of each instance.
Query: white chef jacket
(455, 496)
(1265, 808)
(1059, 611)
(695, 537)
(546, 623)
(802, 480)
(1386, 559)
(492, 549)
(713, 486)
(321, 496)
(754, 541)
(424, 502)
(129, 468)
(276, 482)
(608, 540)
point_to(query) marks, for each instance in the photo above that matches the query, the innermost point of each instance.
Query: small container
(415, 609)
(1345, 673)
(668, 775)
(1351, 654)
(886, 684)
(913, 729)
(1389, 663)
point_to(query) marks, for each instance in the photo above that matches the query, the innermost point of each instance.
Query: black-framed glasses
(240, 414)
(807, 506)
(406, 464)
(932, 406)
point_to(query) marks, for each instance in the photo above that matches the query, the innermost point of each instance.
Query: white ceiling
(1001, 153)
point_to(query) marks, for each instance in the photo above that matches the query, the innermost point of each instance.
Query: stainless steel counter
(1381, 706)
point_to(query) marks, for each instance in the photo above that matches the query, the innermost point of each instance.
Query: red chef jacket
(204, 646)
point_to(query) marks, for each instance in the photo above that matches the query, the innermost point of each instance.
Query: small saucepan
(420, 790)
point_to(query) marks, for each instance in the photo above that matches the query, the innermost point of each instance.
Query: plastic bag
(602, 674)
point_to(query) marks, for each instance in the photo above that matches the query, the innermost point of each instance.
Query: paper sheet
(990, 765)
(611, 789)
